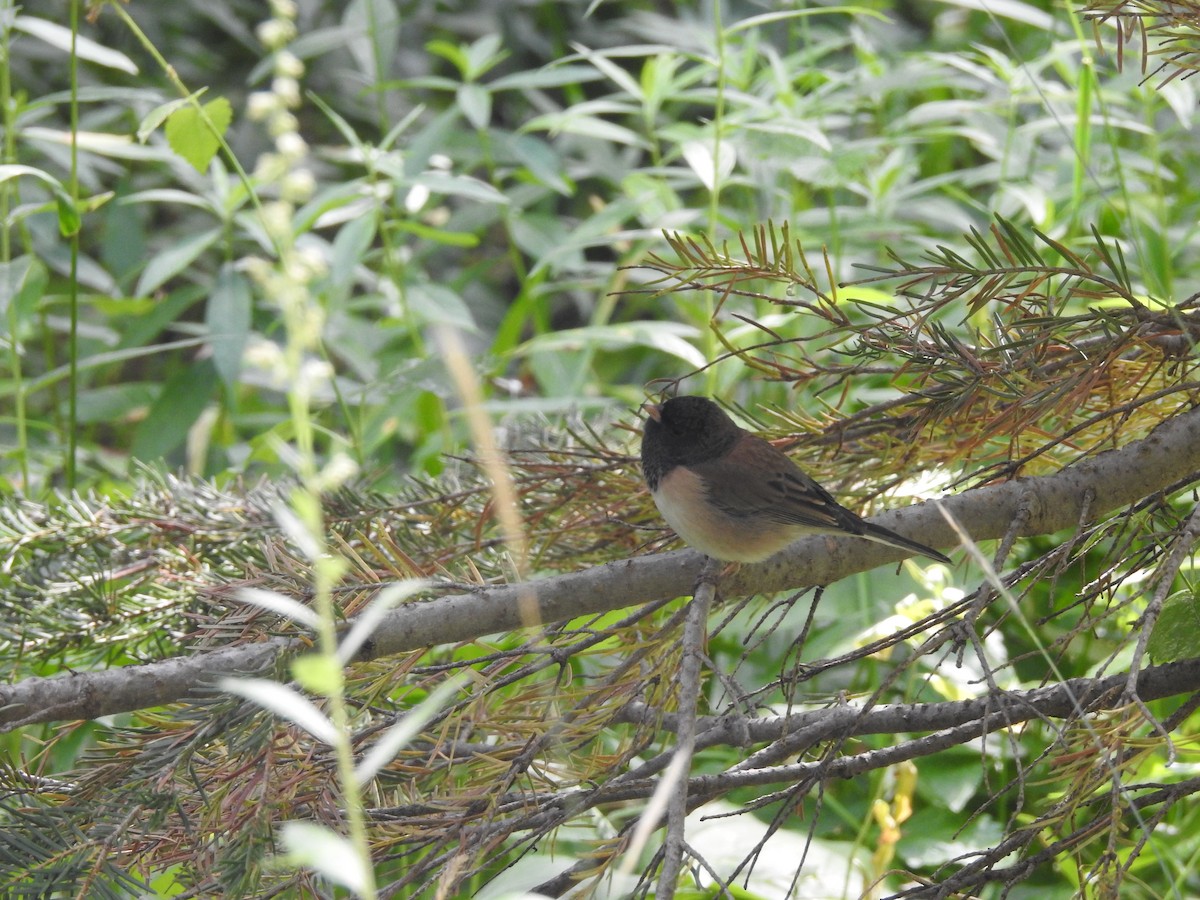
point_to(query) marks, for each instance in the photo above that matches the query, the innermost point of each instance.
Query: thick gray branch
(1051, 503)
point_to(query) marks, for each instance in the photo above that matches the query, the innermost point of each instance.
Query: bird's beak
(653, 410)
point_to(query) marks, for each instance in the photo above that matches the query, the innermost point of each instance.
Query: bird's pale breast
(681, 500)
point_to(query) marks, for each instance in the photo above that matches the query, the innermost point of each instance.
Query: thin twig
(695, 635)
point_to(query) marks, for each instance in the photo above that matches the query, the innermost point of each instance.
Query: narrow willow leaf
(283, 605)
(285, 702)
(324, 851)
(408, 727)
(366, 622)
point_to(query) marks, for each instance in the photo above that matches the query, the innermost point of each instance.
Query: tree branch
(1115, 478)
(1074, 697)
(958, 722)
(695, 636)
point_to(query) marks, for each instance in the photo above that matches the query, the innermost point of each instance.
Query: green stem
(14, 353)
(73, 286)
(182, 88)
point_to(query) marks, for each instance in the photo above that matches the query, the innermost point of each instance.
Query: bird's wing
(778, 490)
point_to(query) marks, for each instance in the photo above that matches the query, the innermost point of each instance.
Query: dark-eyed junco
(732, 495)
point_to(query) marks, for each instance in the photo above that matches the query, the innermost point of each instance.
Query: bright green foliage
(1176, 634)
(952, 241)
(194, 132)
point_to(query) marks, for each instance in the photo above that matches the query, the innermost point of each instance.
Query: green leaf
(318, 674)
(142, 325)
(666, 337)
(1176, 634)
(539, 159)
(350, 249)
(111, 146)
(476, 104)
(291, 523)
(454, 54)
(114, 404)
(934, 836)
(22, 284)
(15, 170)
(406, 728)
(176, 410)
(69, 220)
(436, 235)
(584, 119)
(60, 38)
(374, 35)
(280, 604)
(618, 76)
(438, 304)
(711, 172)
(766, 19)
(860, 293)
(366, 622)
(228, 318)
(325, 852)
(285, 702)
(1015, 10)
(483, 55)
(192, 137)
(153, 120)
(460, 186)
(550, 77)
(174, 260)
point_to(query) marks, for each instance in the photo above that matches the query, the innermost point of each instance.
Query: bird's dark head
(684, 431)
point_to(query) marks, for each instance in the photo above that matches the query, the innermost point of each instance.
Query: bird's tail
(886, 536)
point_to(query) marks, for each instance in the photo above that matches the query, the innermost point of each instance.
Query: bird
(735, 497)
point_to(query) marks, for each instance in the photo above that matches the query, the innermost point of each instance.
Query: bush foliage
(308, 300)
